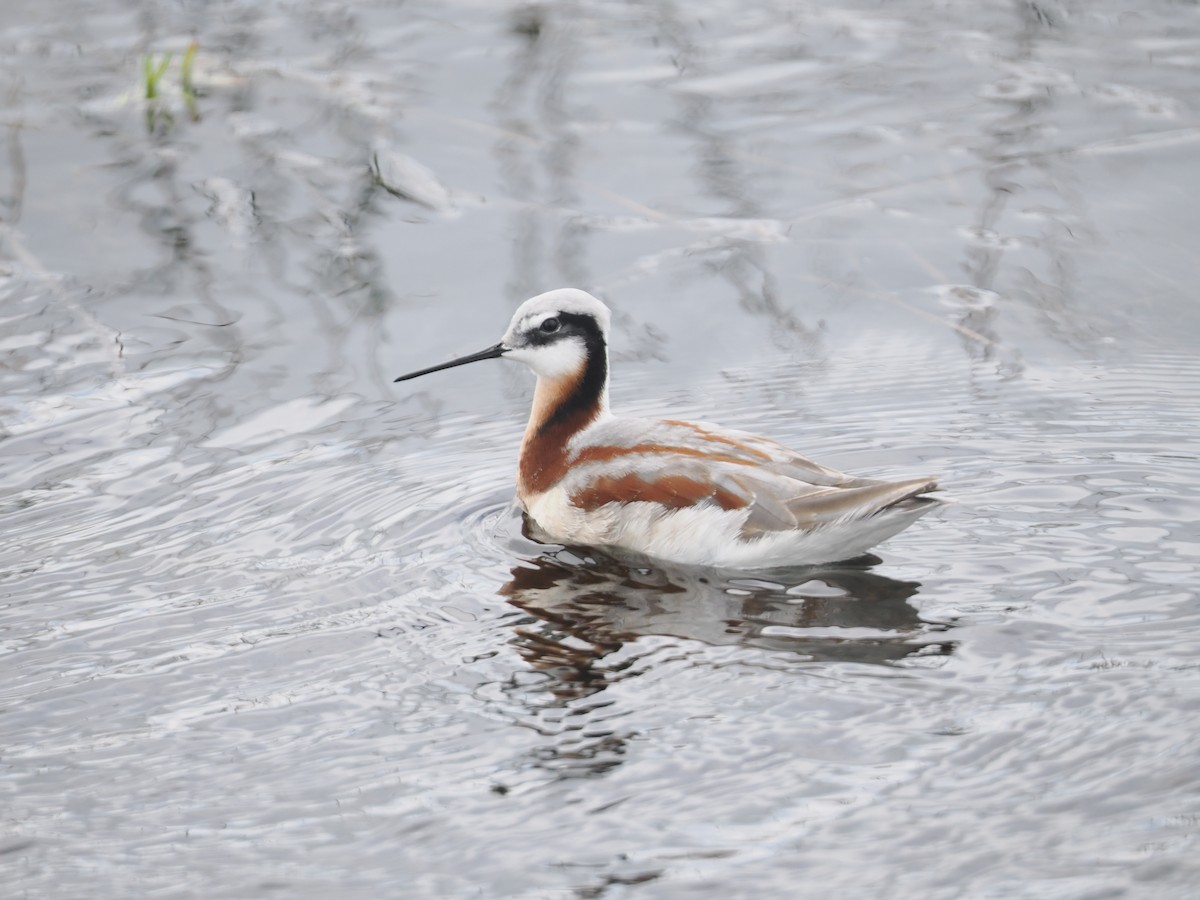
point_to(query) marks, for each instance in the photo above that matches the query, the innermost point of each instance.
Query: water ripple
(255, 599)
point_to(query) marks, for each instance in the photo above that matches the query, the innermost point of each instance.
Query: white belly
(707, 535)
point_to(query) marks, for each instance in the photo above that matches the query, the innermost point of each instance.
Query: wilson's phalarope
(684, 492)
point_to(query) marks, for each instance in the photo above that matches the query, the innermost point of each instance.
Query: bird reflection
(587, 606)
(587, 612)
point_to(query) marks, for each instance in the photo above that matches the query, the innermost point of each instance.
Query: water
(268, 623)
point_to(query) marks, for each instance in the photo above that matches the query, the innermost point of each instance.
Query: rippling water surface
(269, 623)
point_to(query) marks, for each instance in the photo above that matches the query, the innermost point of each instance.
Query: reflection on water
(588, 612)
(845, 613)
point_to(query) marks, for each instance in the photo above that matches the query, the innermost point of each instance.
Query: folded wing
(683, 464)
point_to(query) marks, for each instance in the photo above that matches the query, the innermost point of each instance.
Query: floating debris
(404, 177)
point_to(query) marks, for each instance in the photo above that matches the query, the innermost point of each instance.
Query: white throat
(554, 362)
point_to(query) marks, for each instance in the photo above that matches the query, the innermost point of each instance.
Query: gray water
(268, 622)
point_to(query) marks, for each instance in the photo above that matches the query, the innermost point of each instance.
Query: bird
(689, 493)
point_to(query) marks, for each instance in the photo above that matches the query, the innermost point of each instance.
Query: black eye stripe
(563, 325)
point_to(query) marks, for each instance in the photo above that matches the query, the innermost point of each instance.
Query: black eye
(549, 326)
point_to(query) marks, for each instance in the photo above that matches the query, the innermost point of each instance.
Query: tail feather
(849, 504)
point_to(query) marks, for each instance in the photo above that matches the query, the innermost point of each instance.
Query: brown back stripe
(719, 438)
(670, 491)
(608, 453)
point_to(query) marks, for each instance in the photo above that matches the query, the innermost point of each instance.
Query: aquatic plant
(185, 80)
(153, 71)
(189, 57)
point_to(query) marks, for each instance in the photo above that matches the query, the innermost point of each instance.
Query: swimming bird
(681, 492)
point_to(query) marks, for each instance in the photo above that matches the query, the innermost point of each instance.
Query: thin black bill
(489, 353)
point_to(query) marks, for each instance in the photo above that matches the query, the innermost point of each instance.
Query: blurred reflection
(731, 184)
(538, 152)
(587, 612)
(1025, 181)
